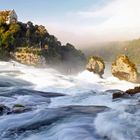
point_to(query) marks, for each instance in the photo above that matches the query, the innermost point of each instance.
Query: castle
(8, 16)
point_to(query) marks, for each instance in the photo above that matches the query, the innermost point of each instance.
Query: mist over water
(83, 111)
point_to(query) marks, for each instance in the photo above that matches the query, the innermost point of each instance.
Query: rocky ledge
(127, 93)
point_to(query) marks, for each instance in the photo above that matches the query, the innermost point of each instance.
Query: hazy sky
(81, 21)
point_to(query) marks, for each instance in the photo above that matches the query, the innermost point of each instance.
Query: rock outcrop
(124, 69)
(129, 92)
(96, 65)
(29, 56)
(4, 109)
(19, 109)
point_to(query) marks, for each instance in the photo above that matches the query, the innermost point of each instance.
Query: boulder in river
(124, 69)
(118, 95)
(96, 64)
(133, 91)
(17, 108)
(4, 109)
(129, 92)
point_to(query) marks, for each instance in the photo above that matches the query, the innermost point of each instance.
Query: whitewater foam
(120, 122)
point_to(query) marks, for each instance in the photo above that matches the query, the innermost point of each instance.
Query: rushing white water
(70, 117)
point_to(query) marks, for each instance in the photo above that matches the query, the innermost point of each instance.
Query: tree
(14, 28)
(1, 21)
(7, 39)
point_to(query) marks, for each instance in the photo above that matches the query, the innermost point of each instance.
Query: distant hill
(108, 51)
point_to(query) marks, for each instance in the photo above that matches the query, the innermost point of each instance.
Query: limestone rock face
(124, 69)
(29, 57)
(96, 65)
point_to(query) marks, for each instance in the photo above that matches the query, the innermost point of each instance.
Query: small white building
(8, 16)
